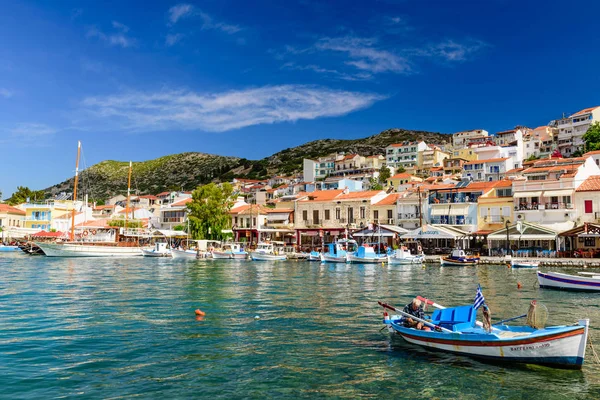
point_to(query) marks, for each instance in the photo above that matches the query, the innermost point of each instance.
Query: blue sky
(139, 80)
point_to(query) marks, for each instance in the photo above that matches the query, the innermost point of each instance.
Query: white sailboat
(74, 248)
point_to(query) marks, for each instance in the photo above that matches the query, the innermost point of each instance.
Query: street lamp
(507, 237)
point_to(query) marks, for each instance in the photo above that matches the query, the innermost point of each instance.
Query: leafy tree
(592, 137)
(23, 193)
(179, 228)
(209, 211)
(375, 185)
(384, 174)
(121, 223)
(532, 158)
(401, 169)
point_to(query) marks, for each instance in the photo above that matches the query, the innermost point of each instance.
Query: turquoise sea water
(99, 328)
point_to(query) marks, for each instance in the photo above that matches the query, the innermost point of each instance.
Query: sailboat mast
(128, 195)
(75, 191)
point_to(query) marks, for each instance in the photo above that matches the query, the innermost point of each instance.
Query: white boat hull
(184, 254)
(404, 261)
(450, 263)
(326, 258)
(85, 250)
(361, 260)
(256, 256)
(223, 255)
(153, 253)
(524, 264)
(557, 280)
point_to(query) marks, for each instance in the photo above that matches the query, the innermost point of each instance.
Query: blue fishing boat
(338, 251)
(366, 254)
(314, 256)
(456, 330)
(6, 249)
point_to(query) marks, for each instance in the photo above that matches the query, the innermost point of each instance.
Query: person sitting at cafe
(414, 308)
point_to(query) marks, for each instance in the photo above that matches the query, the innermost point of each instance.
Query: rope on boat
(596, 359)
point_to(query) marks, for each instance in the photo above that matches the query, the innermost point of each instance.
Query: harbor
(285, 329)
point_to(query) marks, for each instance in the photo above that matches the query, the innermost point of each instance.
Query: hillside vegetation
(188, 170)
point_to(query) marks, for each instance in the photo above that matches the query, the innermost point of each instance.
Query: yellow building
(403, 178)
(495, 207)
(10, 217)
(431, 157)
(466, 154)
(40, 215)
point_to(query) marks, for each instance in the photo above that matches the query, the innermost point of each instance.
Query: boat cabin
(458, 253)
(455, 318)
(366, 252)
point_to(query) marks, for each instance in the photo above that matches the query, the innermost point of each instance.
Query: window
(376, 215)
(350, 215)
(254, 221)
(338, 214)
(327, 216)
(483, 212)
(304, 215)
(506, 211)
(390, 214)
(589, 208)
(362, 213)
(236, 220)
(316, 217)
(589, 242)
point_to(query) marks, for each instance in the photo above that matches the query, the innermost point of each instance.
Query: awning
(459, 209)
(278, 216)
(430, 232)
(558, 193)
(512, 236)
(527, 194)
(439, 210)
(369, 233)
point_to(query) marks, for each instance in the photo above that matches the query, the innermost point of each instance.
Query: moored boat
(314, 256)
(403, 257)
(524, 264)
(81, 249)
(455, 330)
(7, 248)
(231, 251)
(338, 252)
(265, 251)
(184, 254)
(458, 258)
(160, 249)
(365, 254)
(590, 282)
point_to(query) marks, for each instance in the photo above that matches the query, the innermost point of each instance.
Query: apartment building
(486, 170)
(461, 139)
(572, 128)
(404, 155)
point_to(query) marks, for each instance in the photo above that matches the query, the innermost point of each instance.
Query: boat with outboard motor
(231, 251)
(459, 258)
(338, 251)
(455, 330)
(266, 251)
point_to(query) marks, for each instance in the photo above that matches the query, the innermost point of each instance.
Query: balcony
(558, 206)
(524, 186)
(408, 216)
(43, 219)
(494, 219)
(529, 207)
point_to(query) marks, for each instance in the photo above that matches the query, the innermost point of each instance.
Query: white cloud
(172, 39)
(119, 26)
(450, 50)
(364, 54)
(179, 11)
(27, 134)
(187, 10)
(31, 129)
(7, 94)
(219, 112)
(360, 76)
(114, 39)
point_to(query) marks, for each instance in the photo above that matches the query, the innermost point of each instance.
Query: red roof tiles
(591, 184)
(5, 208)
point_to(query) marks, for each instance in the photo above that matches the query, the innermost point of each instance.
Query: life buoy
(93, 232)
(85, 233)
(419, 248)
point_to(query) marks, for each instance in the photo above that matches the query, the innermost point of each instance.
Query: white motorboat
(589, 282)
(292, 254)
(403, 257)
(266, 252)
(230, 251)
(524, 264)
(337, 252)
(159, 250)
(459, 258)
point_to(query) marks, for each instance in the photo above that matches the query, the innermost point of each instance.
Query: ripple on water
(125, 328)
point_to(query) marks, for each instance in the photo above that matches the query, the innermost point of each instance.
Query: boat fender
(200, 312)
(386, 317)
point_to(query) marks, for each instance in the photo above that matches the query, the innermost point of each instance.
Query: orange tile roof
(104, 207)
(181, 202)
(5, 208)
(359, 195)
(432, 169)
(239, 209)
(163, 194)
(591, 184)
(389, 200)
(149, 196)
(403, 175)
(536, 170)
(584, 111)
(348, 157)
(98, 223)
(278, 210)
(514, 170)
(433, 186)
(323, 195)
(592, 153)
(489, 160)
(506, 132)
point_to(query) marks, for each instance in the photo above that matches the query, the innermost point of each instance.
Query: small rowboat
(524, 264)
(555, 280)
(403, 257)
(459, 259)
(455, 330)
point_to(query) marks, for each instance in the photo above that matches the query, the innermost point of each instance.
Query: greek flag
(479, 300)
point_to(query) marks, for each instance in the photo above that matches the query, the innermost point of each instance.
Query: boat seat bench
(456, 318)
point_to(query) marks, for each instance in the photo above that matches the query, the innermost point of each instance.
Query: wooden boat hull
(362, 260)
(184, 254)
(83, 250)
(555, 280)
(256, 256)
(228, 255)
(562, 347)
(327, 258)
(448, 262)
